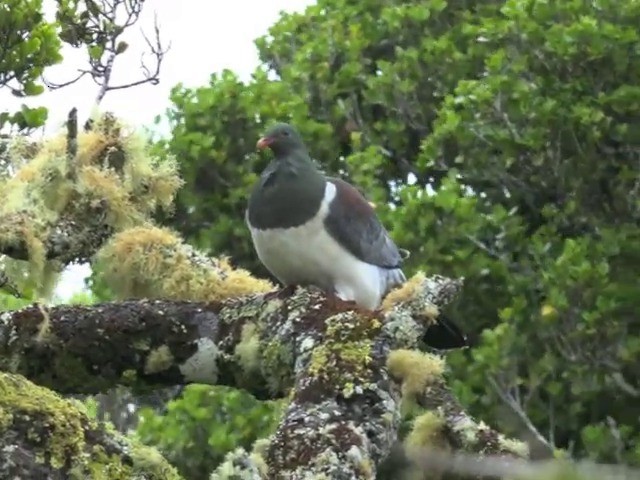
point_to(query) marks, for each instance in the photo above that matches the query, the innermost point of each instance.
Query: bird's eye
(285, 133)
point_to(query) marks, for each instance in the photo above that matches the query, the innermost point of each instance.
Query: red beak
(263, 143)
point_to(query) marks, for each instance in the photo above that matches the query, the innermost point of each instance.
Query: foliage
(500, 143)
(198, 430)
(29, 44)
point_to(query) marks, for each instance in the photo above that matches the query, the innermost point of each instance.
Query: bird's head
(282, 139)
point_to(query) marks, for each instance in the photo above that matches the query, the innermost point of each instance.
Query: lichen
(113, 169)
(409, 291)
(158, 360)
(258, 454)
(55, 432)
(345, 363)
(154, 262)
(426, 432)
(149, 463)
(276, 365)
(415, 369)
(248, 349)
(236, 466)
(518, 448)
(344, 355)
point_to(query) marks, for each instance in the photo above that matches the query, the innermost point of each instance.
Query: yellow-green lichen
(158, 360)
(154, 262)
(344, 356)
(345, 363)
(234, 467)
(415, 369)
(410, 291)
(149, 463)
(258, 454)
(471, 434)
(5, 419)
(518, 448)
(468, 430)
(426, 432)
(56, 433)
(248, 349)
(276, 365)
(113, 169)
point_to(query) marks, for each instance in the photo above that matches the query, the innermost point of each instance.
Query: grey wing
(353, 223)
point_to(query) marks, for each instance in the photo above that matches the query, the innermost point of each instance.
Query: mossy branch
(77, 189)
(45, 436)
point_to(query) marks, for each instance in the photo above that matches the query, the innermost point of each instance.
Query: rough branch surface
(327, 355)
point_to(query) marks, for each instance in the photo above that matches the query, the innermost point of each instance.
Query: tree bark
(328, 356)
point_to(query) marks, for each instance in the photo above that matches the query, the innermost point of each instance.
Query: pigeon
(309, 229)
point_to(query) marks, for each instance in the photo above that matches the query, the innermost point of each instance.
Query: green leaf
(96, 51)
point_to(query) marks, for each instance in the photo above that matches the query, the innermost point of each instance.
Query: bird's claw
(287, 290)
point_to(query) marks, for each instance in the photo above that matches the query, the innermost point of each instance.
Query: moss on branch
(45, 436)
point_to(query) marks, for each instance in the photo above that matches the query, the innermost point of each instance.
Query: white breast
(308, 255)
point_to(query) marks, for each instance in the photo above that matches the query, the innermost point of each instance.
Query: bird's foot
(335, 301)
(287, 291)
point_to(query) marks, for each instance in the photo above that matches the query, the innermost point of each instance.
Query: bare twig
(56, 86)
(101, 28)
(625, 386)
(517, 409)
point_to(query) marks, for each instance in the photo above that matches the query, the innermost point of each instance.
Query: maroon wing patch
(354, 224)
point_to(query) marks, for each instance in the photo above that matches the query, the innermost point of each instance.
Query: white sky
(206, 37)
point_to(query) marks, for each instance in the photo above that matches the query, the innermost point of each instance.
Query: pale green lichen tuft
(158, 360)
(236, 467)
(425, 432)
(148, 462)
(415, 369)
(276, 365)
(114, 169)
(248, 349)
(410, 292)
(258, 454)
(518, 448)
(154, 262)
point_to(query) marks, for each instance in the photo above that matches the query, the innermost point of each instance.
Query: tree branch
(100, 28)
(75, 192)
(331, 356)
(45, 436)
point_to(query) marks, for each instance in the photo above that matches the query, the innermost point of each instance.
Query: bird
(309, 229)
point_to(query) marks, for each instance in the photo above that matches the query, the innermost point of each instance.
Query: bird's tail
(392, 278)
(444, 334)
